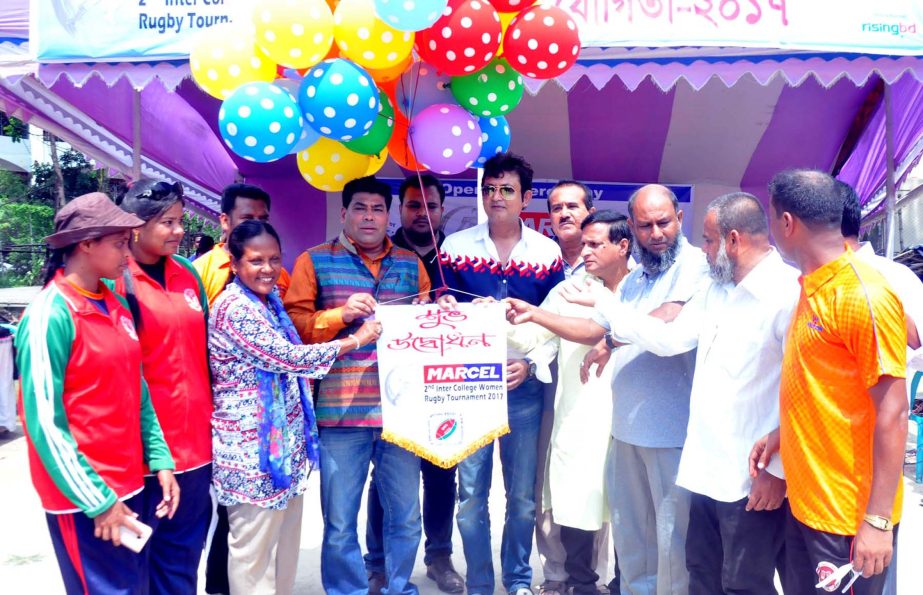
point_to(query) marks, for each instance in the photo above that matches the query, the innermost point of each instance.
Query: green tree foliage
(79, 178)
(22, 227)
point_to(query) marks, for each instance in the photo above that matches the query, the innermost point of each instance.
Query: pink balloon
(445, 138)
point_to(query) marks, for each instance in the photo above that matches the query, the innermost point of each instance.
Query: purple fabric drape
(14, 19)
(866, 168)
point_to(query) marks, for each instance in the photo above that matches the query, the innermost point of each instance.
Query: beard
(654, 263)
(722, 270)
(418, 238)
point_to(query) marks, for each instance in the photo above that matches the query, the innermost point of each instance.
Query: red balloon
(511, 5)
(399, 146)
(542, 42)
(463, 40)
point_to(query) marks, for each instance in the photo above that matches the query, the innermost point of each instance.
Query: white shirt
(740, 333)
(906, 285)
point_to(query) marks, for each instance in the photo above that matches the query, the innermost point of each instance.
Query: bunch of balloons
(346, 83)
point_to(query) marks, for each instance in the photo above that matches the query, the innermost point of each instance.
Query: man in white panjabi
(574, 486)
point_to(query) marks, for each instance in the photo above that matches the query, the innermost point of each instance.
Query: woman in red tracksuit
(170, 311)
(91, 430)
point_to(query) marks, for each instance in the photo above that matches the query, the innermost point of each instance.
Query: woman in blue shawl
(264, 437)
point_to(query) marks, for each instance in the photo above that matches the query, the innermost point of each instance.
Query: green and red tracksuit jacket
(85, 407)
(174, 355)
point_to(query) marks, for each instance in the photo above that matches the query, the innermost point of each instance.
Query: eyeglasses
(506, 191)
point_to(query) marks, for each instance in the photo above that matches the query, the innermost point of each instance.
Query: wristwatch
(882, 523)
(532, 367)
(610, 341)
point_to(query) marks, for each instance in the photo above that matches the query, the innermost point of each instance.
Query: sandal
(553, 588)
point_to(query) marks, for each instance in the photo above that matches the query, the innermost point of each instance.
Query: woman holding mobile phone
(86, 411)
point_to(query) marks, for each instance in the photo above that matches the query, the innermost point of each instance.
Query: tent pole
(136, 135)
(891, 196)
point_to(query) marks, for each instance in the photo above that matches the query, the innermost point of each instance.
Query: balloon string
(407, 297)
(416, 169)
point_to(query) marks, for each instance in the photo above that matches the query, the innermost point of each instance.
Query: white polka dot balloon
(295, 33)
(464, 39)
(410, 15)
(367, 40)
(495, 138)
(260, 122)
(445, 138)
(225, 57)
(542, 42)
(339, 99)
(328, 165)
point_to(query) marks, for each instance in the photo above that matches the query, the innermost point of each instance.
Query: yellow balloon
(294, 33)
(505, 19)
(376, 162)
(392, 73)
(328, 165)
(367, 40)
(225, 57)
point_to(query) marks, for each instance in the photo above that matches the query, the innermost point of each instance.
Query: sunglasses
(506, 191)
(162, 190)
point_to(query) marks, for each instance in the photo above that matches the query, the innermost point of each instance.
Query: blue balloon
(260, 122)
(339, 99)
(410, 15)
(309, 136)
(420, 87)
(495, 137)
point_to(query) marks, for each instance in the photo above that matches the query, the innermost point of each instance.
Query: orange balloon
(333, 53)
(399, 146)
(505, 19)
(384, 75)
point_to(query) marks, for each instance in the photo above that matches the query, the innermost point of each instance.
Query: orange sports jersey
(847, 331)
(214, 268)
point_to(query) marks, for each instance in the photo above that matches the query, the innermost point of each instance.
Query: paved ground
(27, 563)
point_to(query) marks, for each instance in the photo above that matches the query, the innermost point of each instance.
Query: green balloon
(491, 91)
(376, 139)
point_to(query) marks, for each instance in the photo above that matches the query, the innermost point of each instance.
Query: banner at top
(125, 30)
(136, 30)
(879, 27)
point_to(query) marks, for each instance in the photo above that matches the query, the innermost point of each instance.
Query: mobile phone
(132, 540)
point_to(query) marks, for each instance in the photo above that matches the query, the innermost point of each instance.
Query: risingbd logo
(891, 28)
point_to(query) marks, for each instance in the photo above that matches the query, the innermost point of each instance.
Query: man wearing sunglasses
(497, 259)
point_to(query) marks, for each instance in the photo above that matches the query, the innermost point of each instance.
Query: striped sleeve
(43, 345)
(156, 452)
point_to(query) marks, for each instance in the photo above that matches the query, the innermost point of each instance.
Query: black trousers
(578, 562)
(216, 566)
(813, 555)
(730, 550)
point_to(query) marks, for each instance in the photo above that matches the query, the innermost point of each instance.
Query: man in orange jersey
(843, 408)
